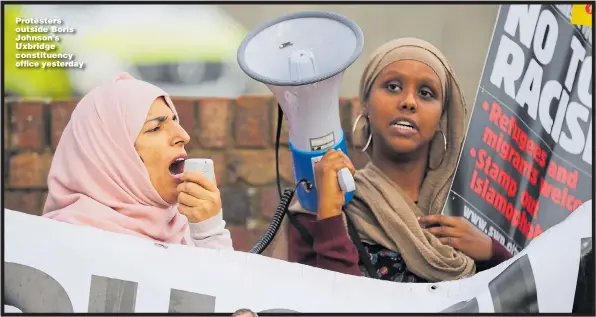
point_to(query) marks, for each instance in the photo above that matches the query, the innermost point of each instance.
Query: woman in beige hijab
(414, 125)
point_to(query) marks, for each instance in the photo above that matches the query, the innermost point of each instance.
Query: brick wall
(238, 134)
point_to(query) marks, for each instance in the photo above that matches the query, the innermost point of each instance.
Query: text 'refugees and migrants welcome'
(527, 159)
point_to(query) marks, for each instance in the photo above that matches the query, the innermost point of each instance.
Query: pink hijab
(97, 178)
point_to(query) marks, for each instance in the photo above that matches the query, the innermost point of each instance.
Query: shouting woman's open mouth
(177, 166)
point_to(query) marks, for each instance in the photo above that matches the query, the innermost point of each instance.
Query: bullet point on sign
(473, 152)
(485, 105)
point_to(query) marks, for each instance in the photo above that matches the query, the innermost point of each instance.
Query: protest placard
(526, 163)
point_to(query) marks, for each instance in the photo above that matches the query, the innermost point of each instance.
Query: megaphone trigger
(346, 180)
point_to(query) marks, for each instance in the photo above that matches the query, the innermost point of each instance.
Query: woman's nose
(409, 104)
(181, 136)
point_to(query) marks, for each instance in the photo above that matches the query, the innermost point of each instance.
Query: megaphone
(301, 57)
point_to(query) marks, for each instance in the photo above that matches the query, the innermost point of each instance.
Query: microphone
(203, 166)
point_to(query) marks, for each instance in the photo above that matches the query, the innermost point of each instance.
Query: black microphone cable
(285, 197)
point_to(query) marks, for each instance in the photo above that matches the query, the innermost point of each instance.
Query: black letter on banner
(278, 311)
(188, 302)
(110, 295)
(470, 306)
(33, 291)
(514, 290)
(583, 302)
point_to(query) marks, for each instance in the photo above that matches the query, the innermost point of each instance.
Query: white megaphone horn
(301, 57)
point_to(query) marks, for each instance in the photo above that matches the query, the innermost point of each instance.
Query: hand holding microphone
(198, 196)
(330, 195)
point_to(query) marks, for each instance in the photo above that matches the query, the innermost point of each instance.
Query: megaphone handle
(346, 180)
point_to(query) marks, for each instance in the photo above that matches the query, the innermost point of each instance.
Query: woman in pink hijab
(119, 167)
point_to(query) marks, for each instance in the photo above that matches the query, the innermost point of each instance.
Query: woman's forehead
(410, 68)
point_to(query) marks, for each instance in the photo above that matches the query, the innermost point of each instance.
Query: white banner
(56, 267)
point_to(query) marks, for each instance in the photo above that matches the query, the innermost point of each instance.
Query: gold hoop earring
(444, 151)
(354, 132)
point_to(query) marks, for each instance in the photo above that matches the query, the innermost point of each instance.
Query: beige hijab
(381, 212)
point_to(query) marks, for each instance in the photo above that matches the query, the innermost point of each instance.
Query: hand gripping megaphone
(301, 57)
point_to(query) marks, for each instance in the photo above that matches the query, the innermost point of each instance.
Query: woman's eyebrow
(430, 82)
(159, 119)
(419, 77)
